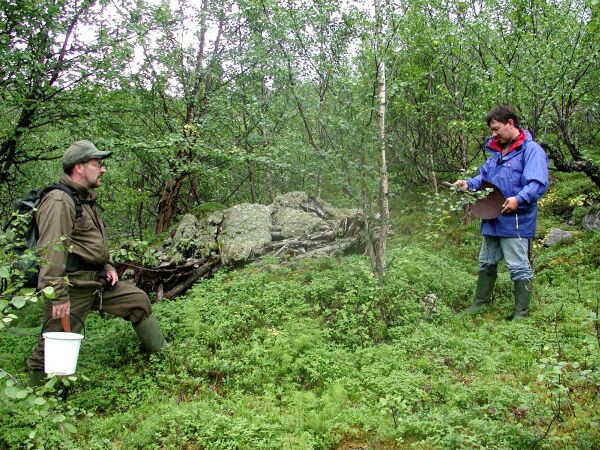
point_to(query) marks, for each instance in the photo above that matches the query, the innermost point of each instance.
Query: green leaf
(50, 383)
(70, 428)
(4, 272)
(39, 401)
(3, 304)
(48, 292)
(19, 301)
(11, 391)
(10, 290)
(15, 393)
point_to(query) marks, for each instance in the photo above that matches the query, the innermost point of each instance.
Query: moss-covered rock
(293, 222)
(245, 227)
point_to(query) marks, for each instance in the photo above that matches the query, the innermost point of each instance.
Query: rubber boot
(150, 334)
(36, 378)
(483, 292)
(522, 299)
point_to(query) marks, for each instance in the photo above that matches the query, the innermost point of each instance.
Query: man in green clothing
(78, 266)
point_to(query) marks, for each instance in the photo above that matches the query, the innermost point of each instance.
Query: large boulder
(303, 202)
(292, 222)
(294, 226)
(247, 231)
(186, 232)
(339, 218)
(192, 238)
(555, 236)
(245, 227)
(591, 222)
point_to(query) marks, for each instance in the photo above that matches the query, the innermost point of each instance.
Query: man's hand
(461, 184)
(61, 309)
(511, 204)
(112, 278)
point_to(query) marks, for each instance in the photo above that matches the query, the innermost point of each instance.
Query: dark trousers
(123, 300)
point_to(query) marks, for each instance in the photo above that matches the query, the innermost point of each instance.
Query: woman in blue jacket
(519, 167)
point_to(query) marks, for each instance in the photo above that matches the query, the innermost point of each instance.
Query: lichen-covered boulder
(192, 238)
(245, 227)
(292, 200)
(293, 222)
(294, 226)
(555, 236)
(303, 202)
(184, 239)
(591, 222)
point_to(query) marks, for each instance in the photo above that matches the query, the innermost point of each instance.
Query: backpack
(24, 226)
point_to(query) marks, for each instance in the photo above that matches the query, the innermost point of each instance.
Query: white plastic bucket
(61, 351)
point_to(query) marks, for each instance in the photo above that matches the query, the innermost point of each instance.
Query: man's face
(92, 172)
(504, 132)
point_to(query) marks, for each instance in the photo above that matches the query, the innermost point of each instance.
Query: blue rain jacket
(521, 173)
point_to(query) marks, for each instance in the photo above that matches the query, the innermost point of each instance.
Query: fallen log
(208, 268)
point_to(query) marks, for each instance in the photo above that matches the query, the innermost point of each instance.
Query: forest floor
(318, 354)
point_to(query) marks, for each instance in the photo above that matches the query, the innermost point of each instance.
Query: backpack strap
(74, 196)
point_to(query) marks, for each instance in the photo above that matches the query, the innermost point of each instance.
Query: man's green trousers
(86, 294)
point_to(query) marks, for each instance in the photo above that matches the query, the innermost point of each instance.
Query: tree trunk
(9, 146)
(384, 211)
(578, 162)
(270, 185)
(168, 204)
(251, 184)
(464, 159)
(318, 187)
(140, 207)
(433, 175)
(264, 133)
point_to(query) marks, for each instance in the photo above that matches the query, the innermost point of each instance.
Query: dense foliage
(242, 100)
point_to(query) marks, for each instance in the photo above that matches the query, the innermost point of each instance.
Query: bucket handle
(72, 314)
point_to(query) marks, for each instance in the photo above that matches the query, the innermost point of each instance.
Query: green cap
(82, 151)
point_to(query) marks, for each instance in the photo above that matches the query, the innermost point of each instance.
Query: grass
(316, 354)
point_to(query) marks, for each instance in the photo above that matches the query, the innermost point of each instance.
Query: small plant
(15, 268)
(442, 207)
(140, 252)
(50, 416)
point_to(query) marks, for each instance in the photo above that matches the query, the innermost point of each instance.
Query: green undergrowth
(317, 354)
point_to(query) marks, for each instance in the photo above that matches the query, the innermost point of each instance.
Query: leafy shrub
(141, 252)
